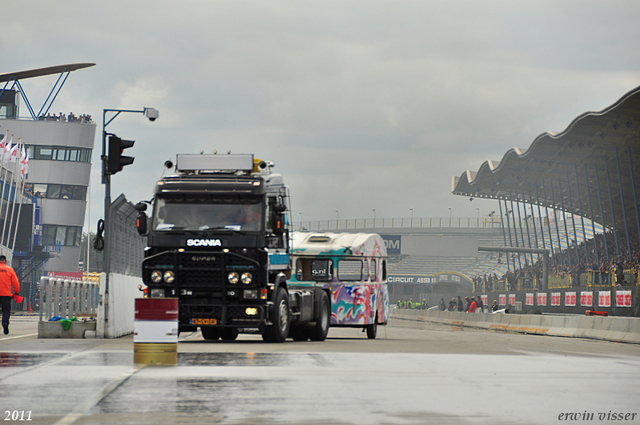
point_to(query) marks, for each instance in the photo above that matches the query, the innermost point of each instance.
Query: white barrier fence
(67, 297)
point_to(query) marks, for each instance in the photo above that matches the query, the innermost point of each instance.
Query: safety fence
(67, 298)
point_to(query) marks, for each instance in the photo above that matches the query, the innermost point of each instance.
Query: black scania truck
(218, 240)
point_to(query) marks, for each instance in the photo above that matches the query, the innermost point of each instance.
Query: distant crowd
(469, 305)
(62, 117)
(409, 304)
(566, 264)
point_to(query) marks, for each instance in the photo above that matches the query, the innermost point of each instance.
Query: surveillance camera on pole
(151, 113)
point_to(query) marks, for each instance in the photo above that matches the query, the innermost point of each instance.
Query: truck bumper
(240, 316)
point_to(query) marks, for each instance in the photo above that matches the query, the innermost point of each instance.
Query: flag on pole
(7, 152)
(3, 143)
(13, 154)
(24, 162)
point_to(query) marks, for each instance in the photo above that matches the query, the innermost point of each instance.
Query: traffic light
(116, 161)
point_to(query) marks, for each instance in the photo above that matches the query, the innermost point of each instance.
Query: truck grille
(194, 269)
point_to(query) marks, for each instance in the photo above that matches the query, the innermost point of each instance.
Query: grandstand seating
(491, 262)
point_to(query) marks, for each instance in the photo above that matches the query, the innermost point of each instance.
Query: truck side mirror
(278, 223)
(141, 220)
(141, 223)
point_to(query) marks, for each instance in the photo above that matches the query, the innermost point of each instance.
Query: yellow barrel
(151, 353)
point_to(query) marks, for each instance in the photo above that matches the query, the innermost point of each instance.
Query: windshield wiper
(227, 229)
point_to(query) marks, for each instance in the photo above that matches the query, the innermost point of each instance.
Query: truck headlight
(169, 277)
(233, 278)
(156, 276)
(250, 294)
(246, 278)
(251, 311)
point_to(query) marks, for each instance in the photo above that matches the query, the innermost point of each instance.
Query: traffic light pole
(152, 114)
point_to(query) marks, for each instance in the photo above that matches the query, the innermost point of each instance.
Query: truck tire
(298, 333)
(320, 330)
(372, 330)
(229, 334)
(281, 321)
(210, 334)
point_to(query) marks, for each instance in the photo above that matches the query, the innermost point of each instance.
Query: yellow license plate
(204, 321)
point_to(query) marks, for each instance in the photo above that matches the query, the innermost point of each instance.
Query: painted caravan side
(353, 267)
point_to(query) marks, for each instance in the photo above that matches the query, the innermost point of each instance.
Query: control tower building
(59, 150)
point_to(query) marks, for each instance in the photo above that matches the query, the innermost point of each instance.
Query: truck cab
(218, 239)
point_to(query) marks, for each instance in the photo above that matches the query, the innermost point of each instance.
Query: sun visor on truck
(214, 162)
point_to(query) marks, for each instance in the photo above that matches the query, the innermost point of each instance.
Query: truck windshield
(190, 212)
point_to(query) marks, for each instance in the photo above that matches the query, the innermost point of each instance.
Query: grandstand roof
(596, 161)
(39, 72)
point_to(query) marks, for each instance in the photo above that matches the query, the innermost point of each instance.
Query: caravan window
(374, 271)
(350, 270)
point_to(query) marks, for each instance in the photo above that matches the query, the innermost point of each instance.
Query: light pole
(411, 209)
(150, 113)
(300, 220)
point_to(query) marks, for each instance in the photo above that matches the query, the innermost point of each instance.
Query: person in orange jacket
(9, 286)
(472, 305)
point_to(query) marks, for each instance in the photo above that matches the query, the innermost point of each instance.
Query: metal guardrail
(388, 223)
(67, 297)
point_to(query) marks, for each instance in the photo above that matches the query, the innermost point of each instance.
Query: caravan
(353, 267)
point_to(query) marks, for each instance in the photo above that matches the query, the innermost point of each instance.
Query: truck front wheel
(210, 334)
(278, 331)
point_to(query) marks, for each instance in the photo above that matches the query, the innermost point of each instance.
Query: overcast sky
(361, 105)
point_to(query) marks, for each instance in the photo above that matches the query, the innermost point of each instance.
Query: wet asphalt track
(412, 374)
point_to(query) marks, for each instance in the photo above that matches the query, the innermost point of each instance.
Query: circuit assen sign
(423, 279)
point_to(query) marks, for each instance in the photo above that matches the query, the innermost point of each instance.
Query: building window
(61, 235)
(59, 153)
(57, 191)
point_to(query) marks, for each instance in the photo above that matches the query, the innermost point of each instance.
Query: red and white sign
(555, 299)
(570, 299)
(623, 298)
(542, 298)
(484, 299)
(156, 320)
(512, 299)
(66, 275)
(586, 299)
(604, 298)
(528, 299)
(502, 299)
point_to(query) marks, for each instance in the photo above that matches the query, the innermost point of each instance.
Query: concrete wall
(618, 329)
